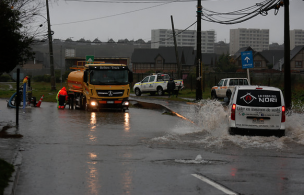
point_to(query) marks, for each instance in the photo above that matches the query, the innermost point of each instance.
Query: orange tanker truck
(99, 85)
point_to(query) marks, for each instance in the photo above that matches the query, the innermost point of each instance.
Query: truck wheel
(152, 93)
(83, 101)
(137, 92)
(231, 131)
(228, 93)
(74, 103)
(87, 107)
(160, 91)
(280, 133)
(71, 103)
(213, 96)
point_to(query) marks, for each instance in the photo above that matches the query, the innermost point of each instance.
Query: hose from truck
(9, 103)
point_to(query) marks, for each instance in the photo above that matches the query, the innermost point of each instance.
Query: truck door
(232, 83)
(144, 83)
(223, 89)
(218, 89)
(151, 83)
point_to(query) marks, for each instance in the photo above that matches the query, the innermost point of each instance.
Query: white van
(257, 108)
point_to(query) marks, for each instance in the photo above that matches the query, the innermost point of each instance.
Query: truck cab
(227, 85)
(155, 83)
(99, 86)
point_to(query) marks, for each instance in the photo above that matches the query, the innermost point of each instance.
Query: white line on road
(216, 185)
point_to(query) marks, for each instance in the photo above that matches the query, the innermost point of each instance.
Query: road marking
(216, 185)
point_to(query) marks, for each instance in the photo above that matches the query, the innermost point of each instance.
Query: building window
(298, 64)
(159, 61)
(257, 64)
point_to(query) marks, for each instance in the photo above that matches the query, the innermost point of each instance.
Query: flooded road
(146, 152)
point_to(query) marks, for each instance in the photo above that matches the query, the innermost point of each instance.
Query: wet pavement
(152, 154)
(10, 138)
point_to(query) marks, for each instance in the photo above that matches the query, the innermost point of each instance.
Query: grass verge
(6, 170)
(38, 89)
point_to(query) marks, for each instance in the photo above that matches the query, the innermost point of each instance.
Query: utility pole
(176, 53)
(199, 94)
(287, 76)
(53, 86)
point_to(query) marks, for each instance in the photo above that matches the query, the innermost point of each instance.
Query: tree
(68, 40)
(96, 40)
(226, 63)
(81, 40)
(140, 41)
(111, 41)
(270, 66)
(14, 41)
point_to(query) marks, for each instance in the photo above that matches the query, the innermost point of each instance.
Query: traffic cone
(39, 103)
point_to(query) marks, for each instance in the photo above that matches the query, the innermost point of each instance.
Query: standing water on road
(210, 129)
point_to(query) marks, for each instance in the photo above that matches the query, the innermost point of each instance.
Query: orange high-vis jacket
(63, 92)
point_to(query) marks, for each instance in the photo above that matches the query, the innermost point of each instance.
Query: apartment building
(296, 38)
(257, 39)
(164, 38)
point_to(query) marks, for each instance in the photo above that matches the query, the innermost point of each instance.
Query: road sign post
(247, 62)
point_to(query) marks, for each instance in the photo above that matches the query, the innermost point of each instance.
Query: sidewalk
(9, 151)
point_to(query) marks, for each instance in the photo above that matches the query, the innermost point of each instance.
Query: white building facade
(296, 38)
(257, 39)
(164, 38)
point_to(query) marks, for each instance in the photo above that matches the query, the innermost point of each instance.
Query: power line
(175, 34)
(124, 42)
(241, 15)
(113, 15)
(133, 1)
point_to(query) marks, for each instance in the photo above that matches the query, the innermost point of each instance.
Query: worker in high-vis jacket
(25, 80)
(61, 97)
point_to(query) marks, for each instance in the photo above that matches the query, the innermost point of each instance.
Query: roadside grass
(38, 89)
(42, 88)
(6, 171)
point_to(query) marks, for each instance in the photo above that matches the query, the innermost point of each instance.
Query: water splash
(211, 129)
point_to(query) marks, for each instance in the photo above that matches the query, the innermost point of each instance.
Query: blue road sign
(247, 59)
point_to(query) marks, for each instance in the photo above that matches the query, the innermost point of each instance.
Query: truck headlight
(125, 103)
(93, 103)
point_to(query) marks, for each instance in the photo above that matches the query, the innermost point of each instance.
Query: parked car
(256, 108)
(227, 85)
(156, 83)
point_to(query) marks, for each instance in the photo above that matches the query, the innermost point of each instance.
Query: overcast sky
(124, 21)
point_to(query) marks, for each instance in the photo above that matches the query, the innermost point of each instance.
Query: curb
(165, 107)
(16, 162)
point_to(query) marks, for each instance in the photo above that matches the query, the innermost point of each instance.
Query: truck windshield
(109, 77)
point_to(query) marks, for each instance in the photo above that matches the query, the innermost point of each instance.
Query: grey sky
(138, 24)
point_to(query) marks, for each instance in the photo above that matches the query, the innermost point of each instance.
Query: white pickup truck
(227, 85)
(155, 83)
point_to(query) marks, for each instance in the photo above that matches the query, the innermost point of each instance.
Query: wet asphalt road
(77, 152)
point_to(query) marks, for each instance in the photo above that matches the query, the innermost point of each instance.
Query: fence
(210, 79)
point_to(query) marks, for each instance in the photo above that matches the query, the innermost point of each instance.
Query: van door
(258, 109)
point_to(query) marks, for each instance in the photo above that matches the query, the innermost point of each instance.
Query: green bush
(42, 78)
(5, 78)
(64, 75)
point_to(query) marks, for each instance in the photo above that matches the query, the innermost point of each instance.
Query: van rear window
(258, 98)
